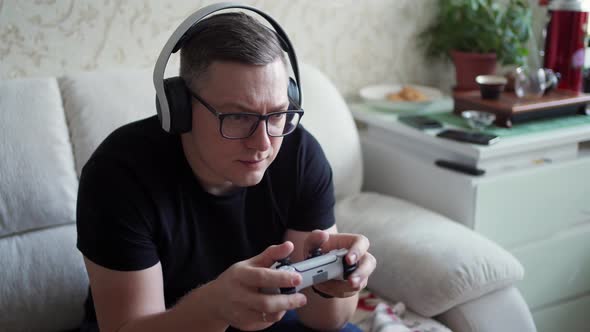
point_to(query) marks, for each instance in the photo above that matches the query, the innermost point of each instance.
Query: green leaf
(479, 26)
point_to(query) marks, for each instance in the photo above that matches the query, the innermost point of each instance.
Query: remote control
(314, 270)
(469, 137)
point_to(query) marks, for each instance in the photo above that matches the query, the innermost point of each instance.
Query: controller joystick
(314, 270)
(315, 253)
(283, 262)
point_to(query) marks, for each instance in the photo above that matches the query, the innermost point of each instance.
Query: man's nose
(259, 139)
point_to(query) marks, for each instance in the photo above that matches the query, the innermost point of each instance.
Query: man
(178, 231)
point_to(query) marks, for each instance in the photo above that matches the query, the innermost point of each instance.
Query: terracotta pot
(469, 65)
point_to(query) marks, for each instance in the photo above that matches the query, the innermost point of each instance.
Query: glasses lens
(243, 125)
(282, 123)
(238, 125)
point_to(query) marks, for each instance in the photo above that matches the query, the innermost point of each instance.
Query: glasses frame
(261, 117)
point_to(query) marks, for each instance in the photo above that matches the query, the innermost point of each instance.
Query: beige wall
(354, 42)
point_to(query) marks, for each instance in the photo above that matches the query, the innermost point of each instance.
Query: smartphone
(421, 122)
(469, 137)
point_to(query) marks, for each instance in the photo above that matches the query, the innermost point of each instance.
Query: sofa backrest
(328, 118)
(48, 129)
(96, 103)
(42, 279)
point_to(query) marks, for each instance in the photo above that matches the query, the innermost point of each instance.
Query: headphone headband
(181, 34)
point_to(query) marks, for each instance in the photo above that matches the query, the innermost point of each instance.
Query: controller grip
(288, 290)
(348, 269)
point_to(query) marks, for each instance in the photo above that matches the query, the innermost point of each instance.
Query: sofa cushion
(96, 103)
(483, 314)
(38, 183)
(424, 259)
(43, 281)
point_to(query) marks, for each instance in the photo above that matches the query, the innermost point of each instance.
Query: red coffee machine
(565, 41)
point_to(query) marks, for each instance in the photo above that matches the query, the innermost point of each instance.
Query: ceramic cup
(491, 86)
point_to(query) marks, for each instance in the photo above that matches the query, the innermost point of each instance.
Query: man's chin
(248, 180)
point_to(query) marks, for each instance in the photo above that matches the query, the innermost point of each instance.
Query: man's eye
(238, 117)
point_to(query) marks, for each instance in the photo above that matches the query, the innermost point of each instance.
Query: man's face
(222, 164)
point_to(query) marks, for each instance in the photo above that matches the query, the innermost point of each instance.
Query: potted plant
(476, 34)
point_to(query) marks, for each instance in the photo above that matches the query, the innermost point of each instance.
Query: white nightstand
(534, 200)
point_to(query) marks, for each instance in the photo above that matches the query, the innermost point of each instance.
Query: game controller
(314, 270)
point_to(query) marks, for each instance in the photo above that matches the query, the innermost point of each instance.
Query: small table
(510, 109)
(534, 199)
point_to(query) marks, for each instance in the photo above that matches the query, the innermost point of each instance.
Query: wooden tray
(510, 109)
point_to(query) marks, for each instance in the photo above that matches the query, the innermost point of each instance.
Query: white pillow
(38, 184)
(96, 103)
(425, 260)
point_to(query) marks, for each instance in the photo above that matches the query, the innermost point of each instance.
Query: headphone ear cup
(293, 93)
(179, 103)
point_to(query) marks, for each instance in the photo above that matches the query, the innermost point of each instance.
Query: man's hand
(357, 246)
(237, 291)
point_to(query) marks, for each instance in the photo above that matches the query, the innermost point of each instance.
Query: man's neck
(200, 170)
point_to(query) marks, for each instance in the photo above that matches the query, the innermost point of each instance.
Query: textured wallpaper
(354, 42)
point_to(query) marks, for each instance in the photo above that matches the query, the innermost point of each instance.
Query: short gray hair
(227, 37)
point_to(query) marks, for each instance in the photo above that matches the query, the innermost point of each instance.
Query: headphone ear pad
(179, 103)
(293, 93)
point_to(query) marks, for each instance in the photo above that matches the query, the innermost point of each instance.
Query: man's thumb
(272, 254)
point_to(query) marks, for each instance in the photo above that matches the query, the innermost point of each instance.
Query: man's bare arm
(134, 301)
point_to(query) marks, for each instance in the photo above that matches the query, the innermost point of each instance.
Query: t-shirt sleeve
(314, 204)
(113, 218)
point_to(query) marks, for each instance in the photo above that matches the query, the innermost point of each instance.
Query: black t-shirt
(139, 203)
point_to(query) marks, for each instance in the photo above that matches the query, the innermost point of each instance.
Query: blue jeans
(290, 323)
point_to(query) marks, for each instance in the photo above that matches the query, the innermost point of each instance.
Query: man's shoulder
(138, 142)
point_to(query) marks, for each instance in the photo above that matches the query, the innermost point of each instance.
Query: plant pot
(469, 65)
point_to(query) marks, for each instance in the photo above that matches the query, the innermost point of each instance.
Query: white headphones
(173, 101)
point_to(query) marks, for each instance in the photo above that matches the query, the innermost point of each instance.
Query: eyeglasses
(243, 125)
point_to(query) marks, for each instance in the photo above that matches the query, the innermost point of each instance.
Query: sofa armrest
(502, 310)
(425, 260)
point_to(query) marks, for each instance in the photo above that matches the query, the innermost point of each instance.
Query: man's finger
(356, 244)
(366, 265)
(336, 288)
(257, 277)
(272, 254)
(276, 303)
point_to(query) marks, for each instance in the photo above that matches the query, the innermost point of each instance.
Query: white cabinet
(540, 212)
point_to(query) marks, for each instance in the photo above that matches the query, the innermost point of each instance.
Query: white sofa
(50, 126)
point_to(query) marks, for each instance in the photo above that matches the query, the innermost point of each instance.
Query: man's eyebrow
(246, 109)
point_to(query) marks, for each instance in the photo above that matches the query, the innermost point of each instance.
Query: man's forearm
(326, 314)
(192, 313)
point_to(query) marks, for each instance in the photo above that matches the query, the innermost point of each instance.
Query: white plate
(376, 95)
